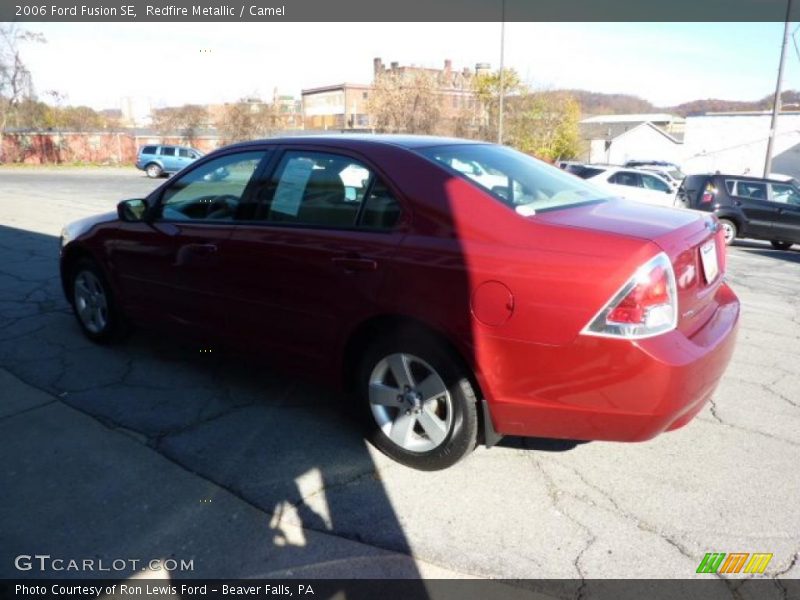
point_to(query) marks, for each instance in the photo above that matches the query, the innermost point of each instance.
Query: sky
(97, 64)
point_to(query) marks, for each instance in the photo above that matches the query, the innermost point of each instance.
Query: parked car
(565, 164)
(747, 207)
(671, 175)
(157, 160)
(452, 312)
(634, 184)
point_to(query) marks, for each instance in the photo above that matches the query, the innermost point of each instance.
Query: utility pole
(776, 104)
(502, 74)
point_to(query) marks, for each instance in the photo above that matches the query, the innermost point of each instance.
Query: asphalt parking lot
(153, 450)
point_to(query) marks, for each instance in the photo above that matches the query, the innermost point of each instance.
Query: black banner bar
(394, 11)
(712, 588)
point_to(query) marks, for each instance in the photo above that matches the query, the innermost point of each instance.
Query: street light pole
(776, 104)
(502, 75)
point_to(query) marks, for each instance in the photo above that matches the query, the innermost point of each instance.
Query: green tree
(544, 124)
(487, 90)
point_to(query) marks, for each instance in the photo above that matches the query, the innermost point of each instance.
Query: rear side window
(751, 189)
(381, 210)
(319, 189)
(149, 150)
(167, 151)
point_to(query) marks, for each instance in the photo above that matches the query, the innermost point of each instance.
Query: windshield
(514, 178)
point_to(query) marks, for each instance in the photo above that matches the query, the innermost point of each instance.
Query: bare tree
(16, 83)
(185, 120)
(405, 103)
(248, 120)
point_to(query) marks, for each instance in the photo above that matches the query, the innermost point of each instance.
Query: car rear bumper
(608, 389)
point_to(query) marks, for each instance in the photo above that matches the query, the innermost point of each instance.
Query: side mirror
(132, 211)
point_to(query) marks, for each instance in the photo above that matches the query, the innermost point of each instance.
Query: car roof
(616, 168)
(746, 178)
(344, 140)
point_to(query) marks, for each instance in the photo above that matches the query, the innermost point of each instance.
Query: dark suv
(763, 209)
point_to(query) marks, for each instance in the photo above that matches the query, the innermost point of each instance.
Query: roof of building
(334, 86)
(746, 113)
(611, 131)
(635, 118)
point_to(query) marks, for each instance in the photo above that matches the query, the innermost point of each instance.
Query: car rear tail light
(708, 194)
(645, 306)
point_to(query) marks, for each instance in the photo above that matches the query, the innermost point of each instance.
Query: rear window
(515, 179)
(149, 150)
(693, 184)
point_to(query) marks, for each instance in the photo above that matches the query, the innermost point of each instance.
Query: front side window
(654, 183)
(212, 192)
(514, 178)
(320, 189)
(785, 193)
(184, 153)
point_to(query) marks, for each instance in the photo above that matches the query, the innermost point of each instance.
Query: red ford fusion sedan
(460, 291)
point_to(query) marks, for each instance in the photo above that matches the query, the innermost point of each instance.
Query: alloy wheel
(729, 230)
(91, 302)
(410, 402)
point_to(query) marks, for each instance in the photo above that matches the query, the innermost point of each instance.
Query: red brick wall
(102, 147)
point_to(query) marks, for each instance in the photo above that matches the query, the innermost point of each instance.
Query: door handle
(355, 263)
(189, 253)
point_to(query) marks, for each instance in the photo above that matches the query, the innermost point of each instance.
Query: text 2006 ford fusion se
(460, 291)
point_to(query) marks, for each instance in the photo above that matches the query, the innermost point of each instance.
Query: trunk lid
(693, 242)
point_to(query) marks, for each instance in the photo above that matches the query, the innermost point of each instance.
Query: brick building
(339, 106)
(343, 106)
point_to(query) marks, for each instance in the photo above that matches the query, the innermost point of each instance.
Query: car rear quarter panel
(462, 237)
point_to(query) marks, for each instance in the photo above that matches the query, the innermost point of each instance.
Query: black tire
(460, 401)
(781, 245)
(153, 171)
(115, 325)
(731, 230)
